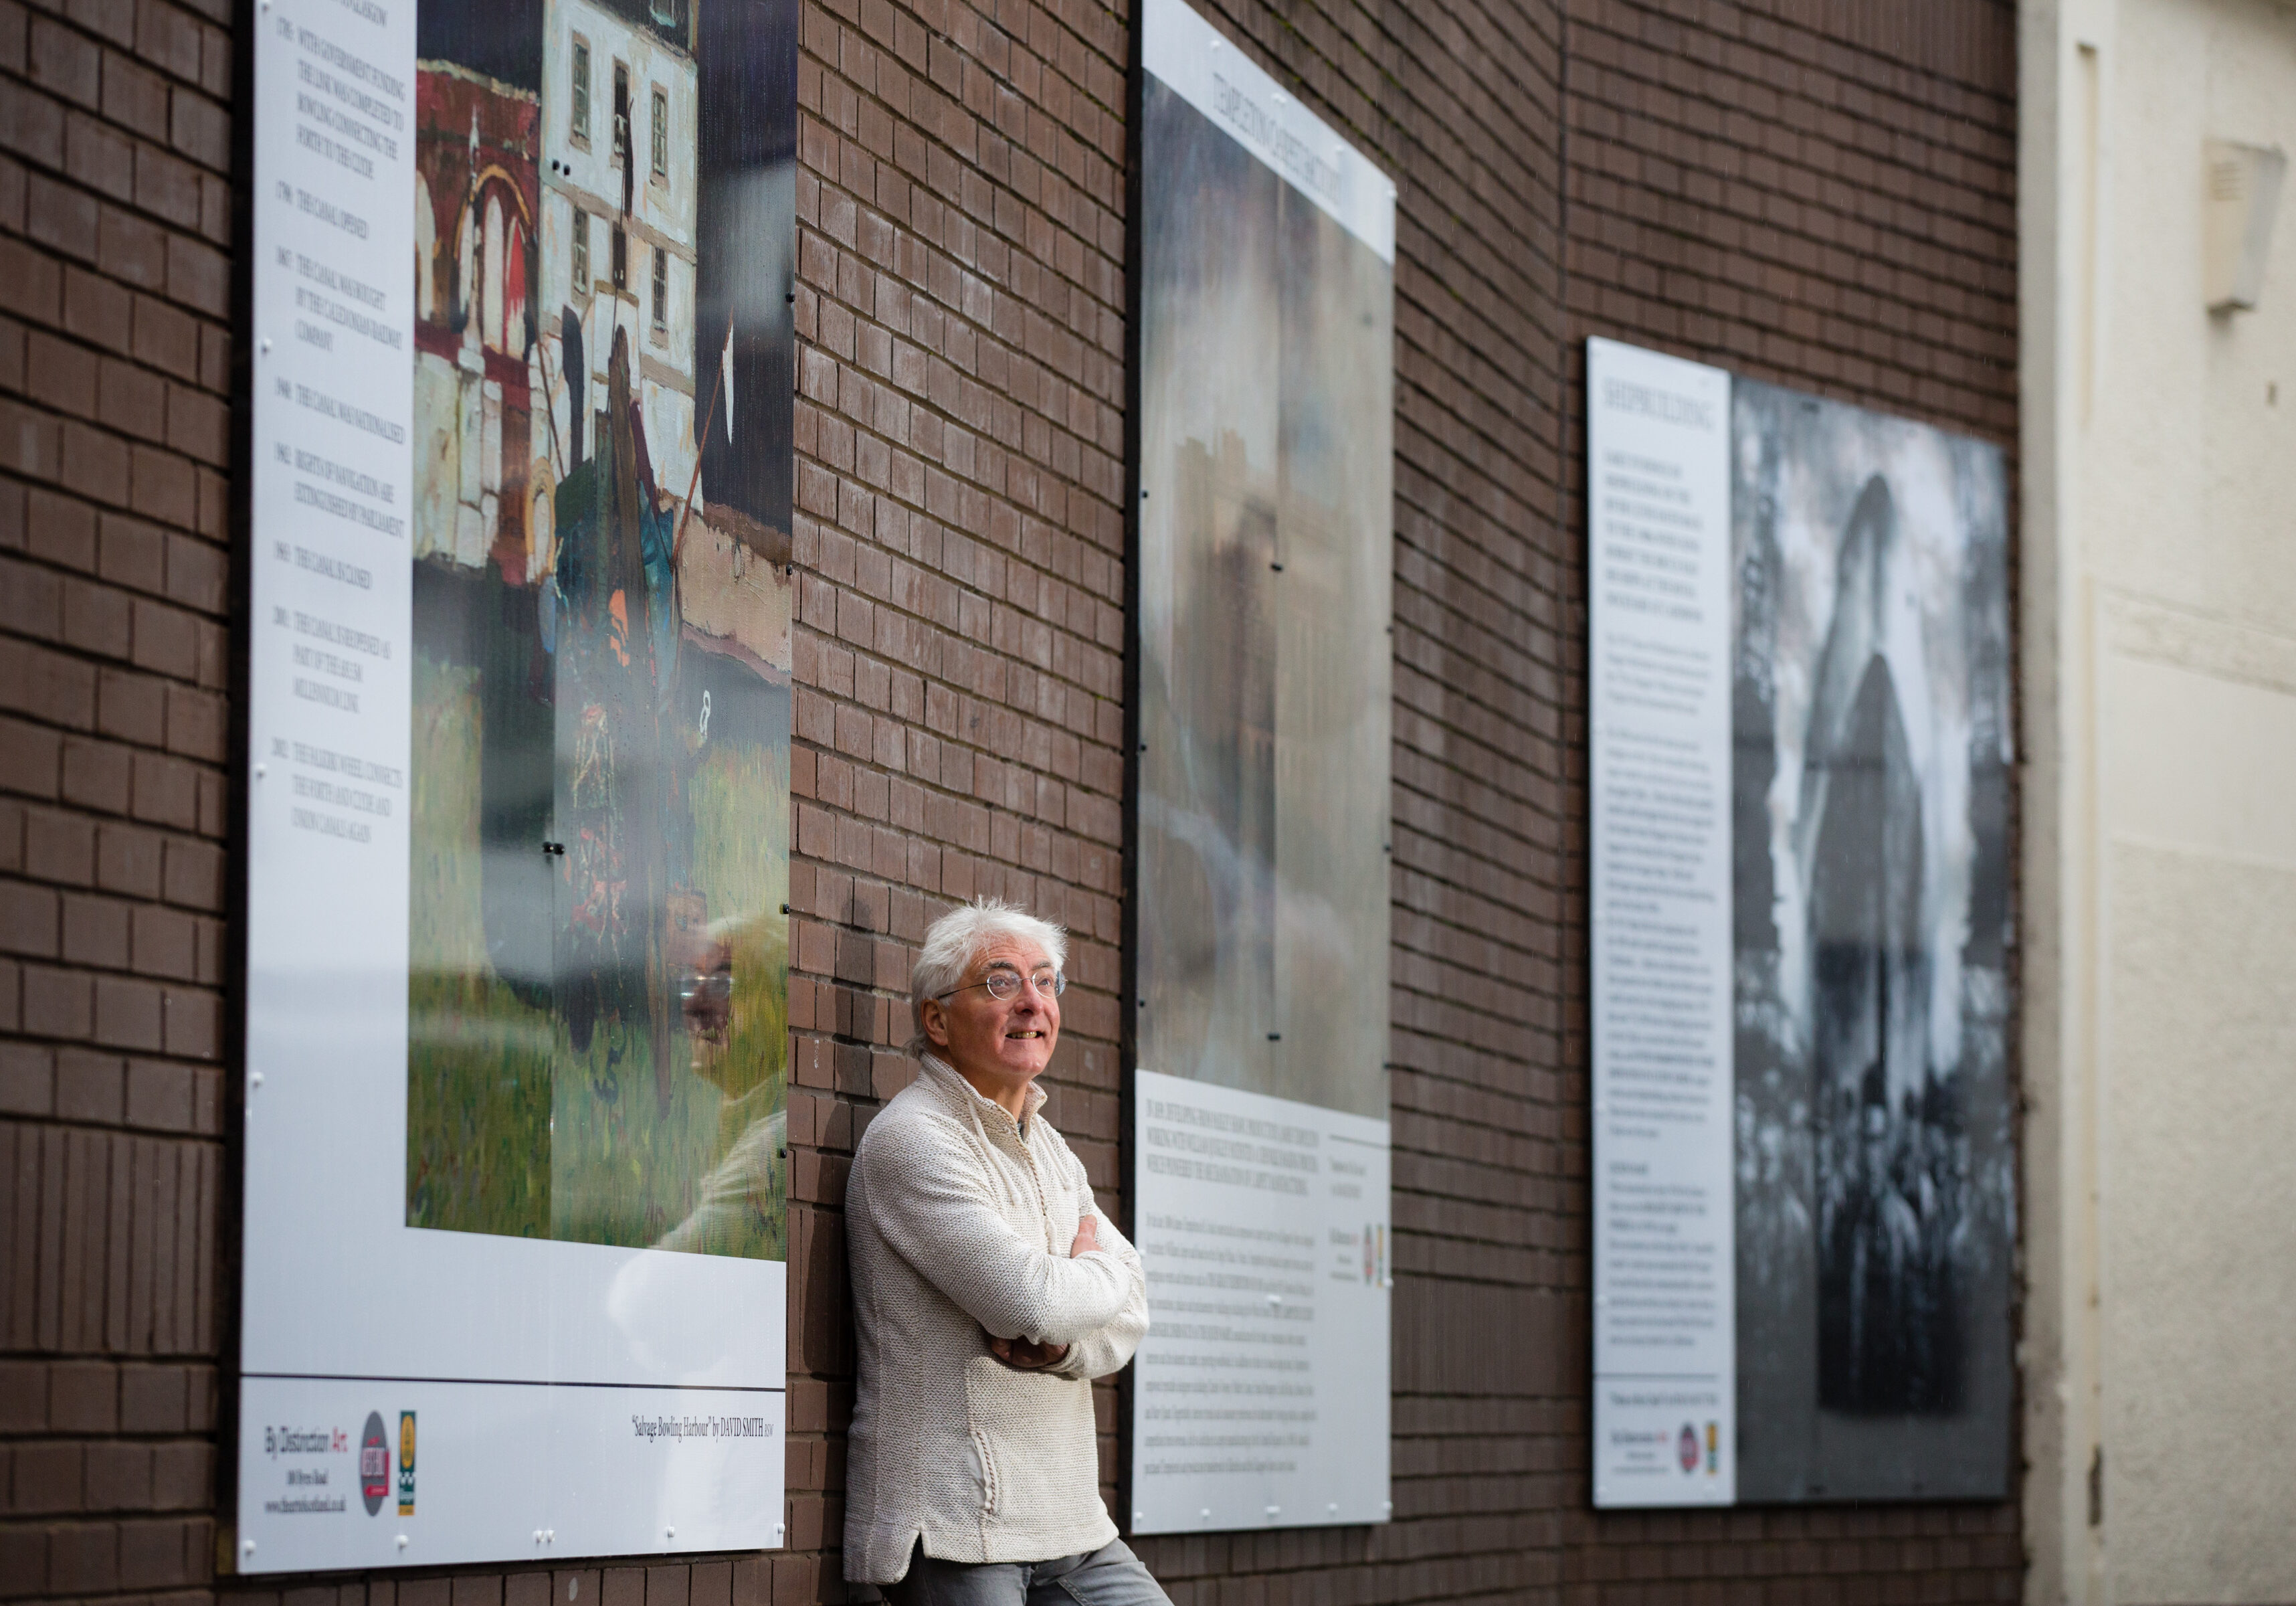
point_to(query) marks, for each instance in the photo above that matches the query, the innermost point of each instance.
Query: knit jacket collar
(951, 1085)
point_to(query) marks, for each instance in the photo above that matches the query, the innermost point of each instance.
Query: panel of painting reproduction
(597, 977)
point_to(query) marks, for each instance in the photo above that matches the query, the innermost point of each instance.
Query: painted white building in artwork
(620, 206)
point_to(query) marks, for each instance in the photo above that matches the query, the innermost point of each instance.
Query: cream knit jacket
(958, 1221)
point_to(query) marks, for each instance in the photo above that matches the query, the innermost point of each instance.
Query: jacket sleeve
(929, 1199)
(1108, 1347)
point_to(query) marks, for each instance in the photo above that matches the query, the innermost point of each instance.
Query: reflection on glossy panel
(1264, 575)
(1875, 1168)
(597, 986)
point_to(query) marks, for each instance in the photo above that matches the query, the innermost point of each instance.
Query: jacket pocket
(1033, 1432)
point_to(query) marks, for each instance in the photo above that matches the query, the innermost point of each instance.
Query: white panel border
(1188, 55)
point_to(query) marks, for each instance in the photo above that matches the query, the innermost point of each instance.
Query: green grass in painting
(595, 1153)
(478, 1071)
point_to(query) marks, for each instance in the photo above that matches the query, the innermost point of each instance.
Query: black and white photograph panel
(1872, 751)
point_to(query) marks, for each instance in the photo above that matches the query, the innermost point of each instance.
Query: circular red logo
(1686, 1448)
(374, 1463)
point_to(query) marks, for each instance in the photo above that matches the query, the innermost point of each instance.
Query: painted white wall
(2159, 590)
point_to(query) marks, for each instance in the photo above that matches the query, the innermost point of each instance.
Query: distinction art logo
(374, 1463)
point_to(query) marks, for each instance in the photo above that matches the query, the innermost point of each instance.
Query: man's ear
(932, 1019)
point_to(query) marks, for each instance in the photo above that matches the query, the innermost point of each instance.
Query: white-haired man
(988, 1293)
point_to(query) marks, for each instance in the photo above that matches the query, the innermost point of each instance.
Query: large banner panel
(1266, 568)
(1804, 1168)
(518, 803)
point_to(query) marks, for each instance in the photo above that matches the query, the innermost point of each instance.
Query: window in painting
(577, 102)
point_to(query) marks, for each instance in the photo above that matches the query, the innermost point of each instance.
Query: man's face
(1007, 1041)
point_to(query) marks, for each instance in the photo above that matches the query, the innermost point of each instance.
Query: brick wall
(115, 285)
(960, 542)
(1816, 193)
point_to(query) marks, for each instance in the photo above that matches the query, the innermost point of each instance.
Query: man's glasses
(1005, 985)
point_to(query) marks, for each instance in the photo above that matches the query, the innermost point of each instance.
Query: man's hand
(1025, 1355)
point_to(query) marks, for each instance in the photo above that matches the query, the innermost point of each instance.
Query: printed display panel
(1262, 1402)
(1657, 500)
(518, 791)
(1266, 307)
(1861, 1263)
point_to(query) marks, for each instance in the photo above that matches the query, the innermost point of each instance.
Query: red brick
(30, 921)
(31, 282)
(84, 1558)
(57, 1003)
(201, 130)
(64, 63)
(160, 1096)
(63, 217)
(129, 1014)
(94, 932)
(61, 375)
(183, 1476)
(133, 401)
(157, 1553)
(194, 874)
(98, 157)
(128, 247)
(168, 39)
(61, 530)
(131, 552)
(164, 336)
(95, 775)
(154, 1399)
(26, 1088)
(134, 96)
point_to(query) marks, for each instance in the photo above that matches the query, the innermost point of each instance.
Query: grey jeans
(1111, 1575)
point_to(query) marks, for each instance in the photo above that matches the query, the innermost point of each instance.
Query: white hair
(955, 939)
